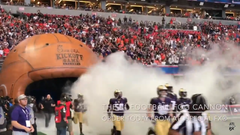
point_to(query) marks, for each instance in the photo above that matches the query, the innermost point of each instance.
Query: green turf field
(40, 133)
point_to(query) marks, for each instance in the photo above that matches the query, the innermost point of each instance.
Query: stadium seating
(147, 42)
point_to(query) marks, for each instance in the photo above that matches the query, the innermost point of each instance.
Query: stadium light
(226, 6)
(201, 3)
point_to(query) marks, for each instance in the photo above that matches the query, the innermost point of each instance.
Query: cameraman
(3, 120)
(33, 109)
(69, 106)
(60, 116)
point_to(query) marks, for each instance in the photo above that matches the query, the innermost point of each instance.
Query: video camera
(5, 100)
(69, 98)
(66, 97)
(5, 103)
(31, 99)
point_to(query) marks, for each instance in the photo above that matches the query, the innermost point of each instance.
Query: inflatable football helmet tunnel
(42, 57)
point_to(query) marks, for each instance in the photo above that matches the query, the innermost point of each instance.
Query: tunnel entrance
(55, 87)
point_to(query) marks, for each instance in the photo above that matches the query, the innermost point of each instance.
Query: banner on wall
(181, 69)
(114, 15)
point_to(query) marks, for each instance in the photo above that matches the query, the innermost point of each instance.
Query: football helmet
(161, 89)
(117, 93)
(182, 93)
(169, 87)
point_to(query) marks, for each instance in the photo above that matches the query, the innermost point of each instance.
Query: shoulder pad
(111, 99)
(155, 98)
(168, 98)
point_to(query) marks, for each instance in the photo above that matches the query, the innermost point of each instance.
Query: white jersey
(186, 124)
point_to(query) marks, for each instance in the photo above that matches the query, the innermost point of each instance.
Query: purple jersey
(118, 105)
(161, 108)
(173, 98)
(183, 103)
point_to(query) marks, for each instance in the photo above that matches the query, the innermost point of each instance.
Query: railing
(15, 9)
(179, 70)
(1, 63)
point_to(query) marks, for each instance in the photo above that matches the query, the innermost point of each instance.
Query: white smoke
(138, 84)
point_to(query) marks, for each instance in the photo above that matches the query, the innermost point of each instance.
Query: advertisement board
(216, 1)
(236, 1)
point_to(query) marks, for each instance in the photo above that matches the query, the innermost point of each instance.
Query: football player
(117, 106)
(232, 101)
(183, 102)
(162, 107)
(171, 95)
(79, 110)
(192, 121)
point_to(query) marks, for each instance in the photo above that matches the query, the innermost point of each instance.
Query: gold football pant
(162, 127)
(118, 122)
(78, 117)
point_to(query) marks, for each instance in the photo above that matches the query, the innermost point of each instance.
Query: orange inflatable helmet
(41, 57)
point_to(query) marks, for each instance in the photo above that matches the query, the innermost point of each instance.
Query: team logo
(60, 48)
(231, 126)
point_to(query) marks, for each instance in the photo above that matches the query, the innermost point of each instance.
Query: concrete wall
(14, 9)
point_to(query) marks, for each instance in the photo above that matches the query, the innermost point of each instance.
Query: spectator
(47, 105)
(147, 42)
(32, 109)
(20, 117)
(1, 52)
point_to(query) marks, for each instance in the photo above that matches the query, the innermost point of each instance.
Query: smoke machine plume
(138, 84)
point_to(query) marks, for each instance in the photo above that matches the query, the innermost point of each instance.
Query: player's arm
(73, 105)
(177, 125)
(209, 129)
(171, 108)
(84, 107)
(110, 108)
(178, 105)
(127, 105)
(150, 109)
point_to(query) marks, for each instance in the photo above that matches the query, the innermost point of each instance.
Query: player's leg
(166, 127)
(81, 123)
(117, 124)
(113, 130)
(119, 131)
(75, 118)
(160, 128)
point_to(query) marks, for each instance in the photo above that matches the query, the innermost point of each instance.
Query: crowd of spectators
(150, 43)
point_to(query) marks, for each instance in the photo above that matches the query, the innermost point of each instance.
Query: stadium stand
(152, 43)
